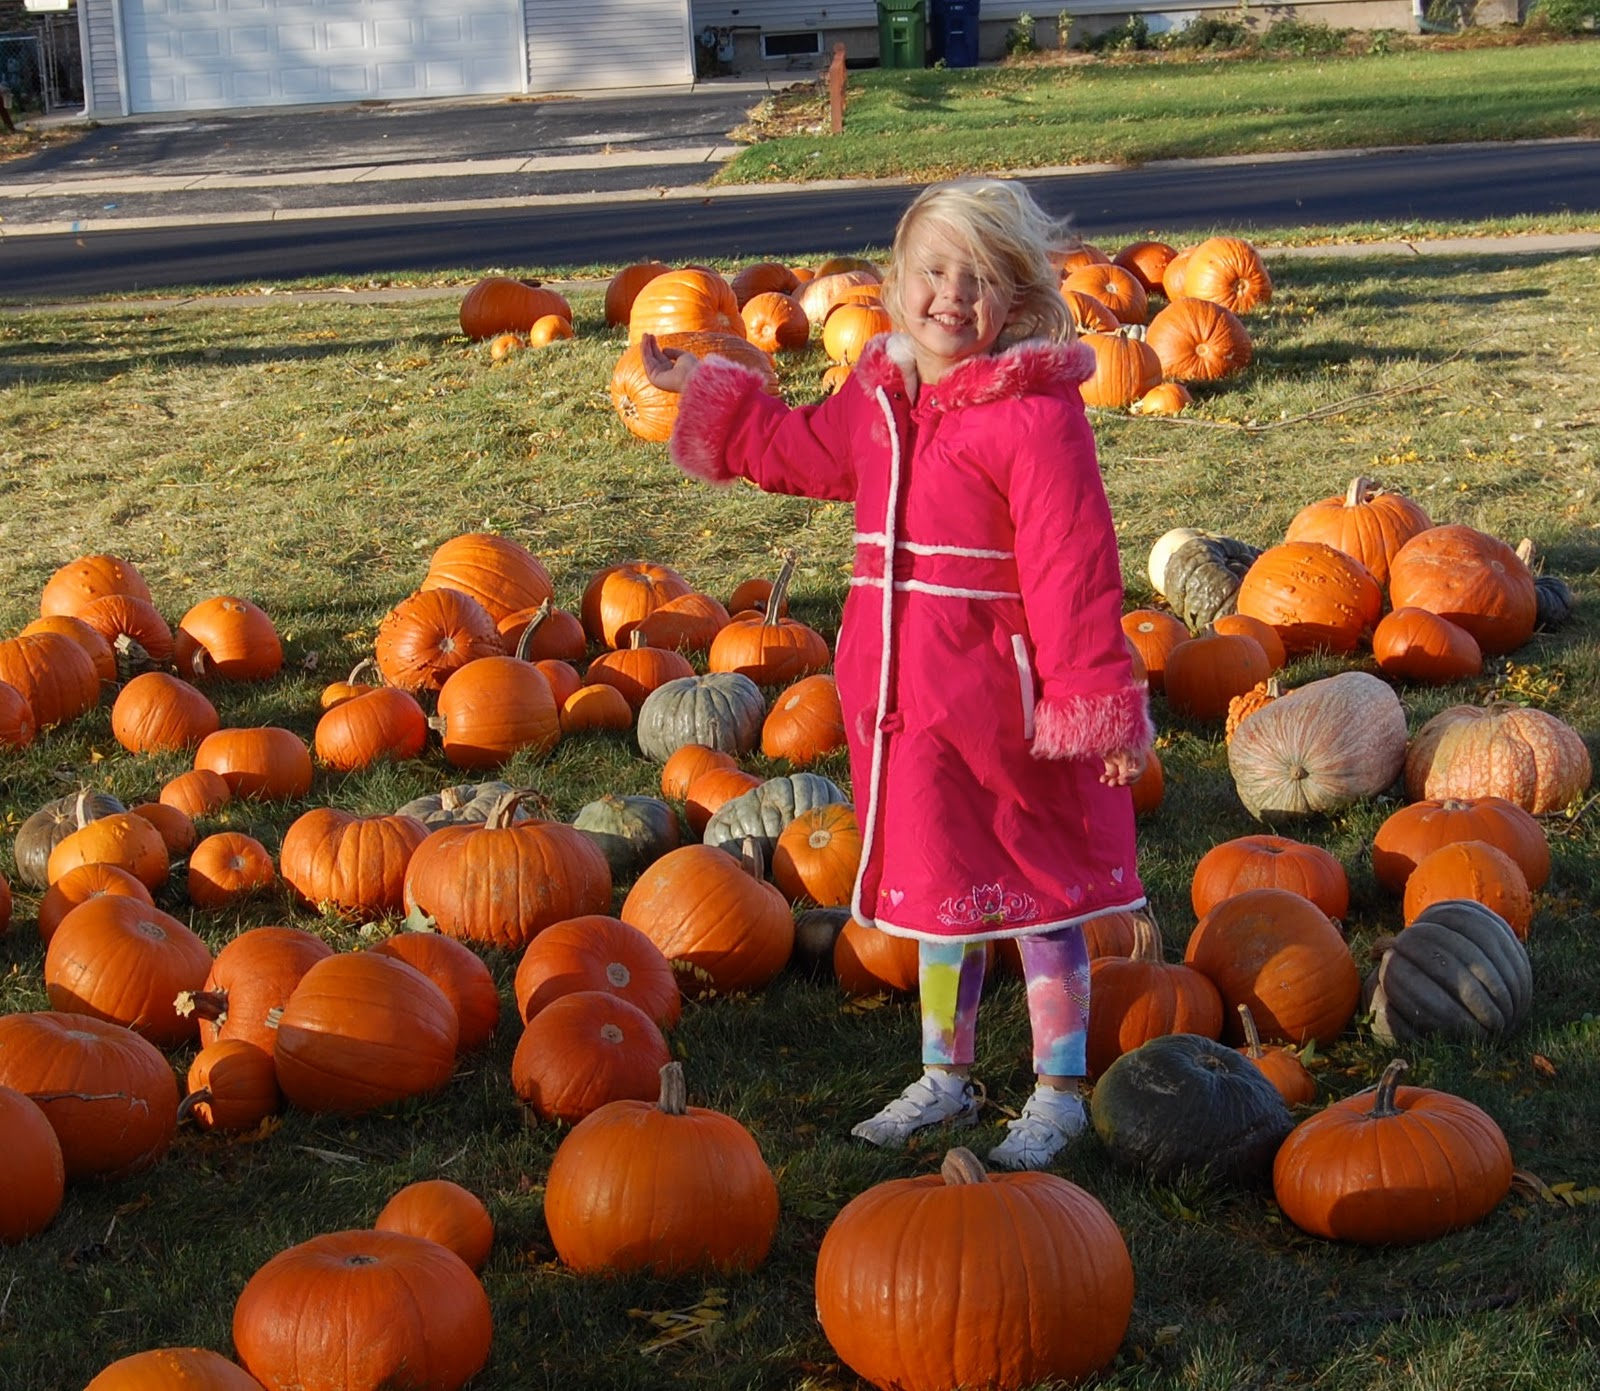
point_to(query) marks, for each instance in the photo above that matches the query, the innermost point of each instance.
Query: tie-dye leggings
(1055, 968)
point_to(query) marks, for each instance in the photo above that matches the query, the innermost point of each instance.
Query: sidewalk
(281, 164)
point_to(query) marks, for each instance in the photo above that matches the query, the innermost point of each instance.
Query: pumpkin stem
(961, 1165)
(1383, 1104)
(525, 642)
(674, 1090)
(751, 858)
(197, 663)
(1525, 551)
(780, 590)
(1360, 490)
(1252, 1035)
(505, 809)
(1380, 948)
(187, 1105)
(364, 668)
(208, 1004)
(636, 640)
(1146, 938)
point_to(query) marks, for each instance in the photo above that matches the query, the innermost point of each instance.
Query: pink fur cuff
(707, 412)
(1092, 726)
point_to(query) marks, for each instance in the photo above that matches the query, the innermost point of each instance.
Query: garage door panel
(200, 54)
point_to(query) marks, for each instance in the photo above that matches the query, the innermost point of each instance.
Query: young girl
(994, 722)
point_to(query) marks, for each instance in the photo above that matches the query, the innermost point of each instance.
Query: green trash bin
(902, 33)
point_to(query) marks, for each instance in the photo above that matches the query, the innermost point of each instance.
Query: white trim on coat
(878, 538)
(946, 590)
(1031, 930)
(1019, 650)
(869, 824)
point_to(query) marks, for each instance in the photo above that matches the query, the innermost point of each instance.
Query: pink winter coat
(983, 686)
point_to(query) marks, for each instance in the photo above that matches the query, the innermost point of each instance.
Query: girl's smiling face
(952, 311)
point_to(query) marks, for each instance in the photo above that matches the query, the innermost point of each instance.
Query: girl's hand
(1122, 768)
(666, 369)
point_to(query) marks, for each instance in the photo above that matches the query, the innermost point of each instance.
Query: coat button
(892, 723)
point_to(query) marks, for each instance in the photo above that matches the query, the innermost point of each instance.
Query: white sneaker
(1049, 1120)
(934, 1098)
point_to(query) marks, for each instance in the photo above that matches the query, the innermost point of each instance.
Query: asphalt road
(1443, 183)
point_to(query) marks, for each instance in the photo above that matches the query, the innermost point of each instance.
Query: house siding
(102, 69)
(589, 45)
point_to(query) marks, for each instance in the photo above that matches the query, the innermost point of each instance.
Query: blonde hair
(1011, 240)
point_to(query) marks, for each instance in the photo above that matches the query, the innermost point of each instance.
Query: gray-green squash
(462, 804)
(632, 832)
(762, 812)
(1185, 1103)
(722, 710)
(1200, 574)
(1457, 970)
(52, 824)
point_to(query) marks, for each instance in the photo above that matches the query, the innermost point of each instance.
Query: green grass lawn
(935, 123)
(311, 457)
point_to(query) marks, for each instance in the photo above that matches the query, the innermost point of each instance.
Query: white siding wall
(590, 45)
(102, 75)
(789, 16)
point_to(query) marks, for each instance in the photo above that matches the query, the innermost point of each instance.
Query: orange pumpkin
(1368, 523)
(227, 637)
(158, 713)
(686, 764)
(868, 961)
(1148, 261)
(250, 981)
(817, 856)
(500, 574)
(763, 278)
(1263, 633)
(805, 722)
(352, 864)
(1421, 827)
(493, 709)
(1416, 645)
(775, 322)
(99, 650)
(1527, 756)
(598, 707)
(692, 300)
(431, 634)
(597, 952)
(87, 578)
(268, 763)
(1088, 314)
(1475, 580)
(1203, 674)
(584, 1049)
(647, 410)
(1164, 398)
(441, 1211)
(460, 973)
(1269, 862)
(231, 1085)
(1125, 368)
(1154, 633)
(53, 673)
(498, 304)
(725, 929)
(1471, 869)
(637, 669)
(619, 596)
(850, 327)
(769, 649)
(1116, 287)
(548, 329)
(1280, 954)
(81, 884)
(623, 288)
(228, 866)
(36, 1175)
(1319, 599)
(1227, 271)
(122, 839)
(1198, 341)
(1140, 997)
(1280, 1065)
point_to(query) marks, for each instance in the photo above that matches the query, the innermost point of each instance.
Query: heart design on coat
(895, 896)
(1116, 875)
(1075, 895)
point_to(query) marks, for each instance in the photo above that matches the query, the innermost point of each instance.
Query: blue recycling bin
(954, 32)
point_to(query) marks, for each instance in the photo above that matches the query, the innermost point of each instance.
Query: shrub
(1565, 16)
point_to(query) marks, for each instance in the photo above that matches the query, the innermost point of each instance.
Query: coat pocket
(1019, 650)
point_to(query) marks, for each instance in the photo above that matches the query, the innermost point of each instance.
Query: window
(791, 45)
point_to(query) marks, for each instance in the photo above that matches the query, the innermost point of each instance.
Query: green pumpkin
(1184, 1103)
(52, 824)
(723, 711)
(466, 803)
(1201, 578)
(761, 813)
(632, 832)
(1457, 970)
(815, 931)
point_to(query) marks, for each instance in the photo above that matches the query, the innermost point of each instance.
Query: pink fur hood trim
(1093, 725)
(1032, 368)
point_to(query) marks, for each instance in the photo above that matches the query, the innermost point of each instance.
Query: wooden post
(836, 89)
(5, 111)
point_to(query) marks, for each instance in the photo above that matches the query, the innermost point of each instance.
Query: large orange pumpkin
(1269, 862)
(353, 864)
(1420, 827)
(266, 762)
(500, 574)
(623, 288)
(660, 1186)
(427, 636)
(1280, 954)
(724, 928)
(1319, 599)
(498, 304)
(597, 952)
(584, 1049)
(1227, 271)
(692, 300)
(363, 1309)
(1475, 580)
(87, 578)
(1198, 341)
(1140, 997)
(619, 596)
(228, 637)
(1368, 522)
(1125, 368)
(1048, 1303)
(650, 412)
(1527, 756)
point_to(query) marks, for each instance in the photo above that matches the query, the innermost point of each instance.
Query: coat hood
(1037, 367)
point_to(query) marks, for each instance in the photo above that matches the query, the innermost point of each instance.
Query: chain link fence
(42, 69)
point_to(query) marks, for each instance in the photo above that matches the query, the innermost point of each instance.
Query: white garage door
(198, 55)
